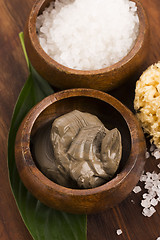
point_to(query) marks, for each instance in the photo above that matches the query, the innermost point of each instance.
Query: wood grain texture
(127, 215)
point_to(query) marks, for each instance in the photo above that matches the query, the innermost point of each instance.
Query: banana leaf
(42, 222)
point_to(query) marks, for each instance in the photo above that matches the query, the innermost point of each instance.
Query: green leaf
(43, 222)
(21, 36)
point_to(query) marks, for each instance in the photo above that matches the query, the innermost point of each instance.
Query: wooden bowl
(63, 77)
(113, 114)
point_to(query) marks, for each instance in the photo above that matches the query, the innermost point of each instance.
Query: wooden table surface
(13, 73)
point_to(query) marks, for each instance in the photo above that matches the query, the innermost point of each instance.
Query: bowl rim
(134, 50)
(28, 123)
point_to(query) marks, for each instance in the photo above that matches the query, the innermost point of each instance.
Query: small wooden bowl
(113, 114)
(63, 77)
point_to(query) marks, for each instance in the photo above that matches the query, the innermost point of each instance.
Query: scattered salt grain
(145, 195)
(143, 178)
(148, 185)
(148, 212)
(156, 153)
(152, 184)
(154, 202)
(119, 231)
(137, 189)
(146, 203)
(158, 238)
(88, 34)
(147, 154)
(152, 197)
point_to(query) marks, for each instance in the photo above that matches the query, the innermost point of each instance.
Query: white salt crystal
(151, 193)
(158, 238)
(143, 178)
(137, 189)
(149, 175)
(148, 179)
(156, 183)
(154, 176)
(88, 34)
(158, 193)
(148, 212)
(158, 165)
(152, 210)
(119, 231)
(145, 203)
(148, 185)
(154, 189)
(154, 202)
(152, 196)
(145, 195)
(145, 211)
(156, 153)
(147, 154)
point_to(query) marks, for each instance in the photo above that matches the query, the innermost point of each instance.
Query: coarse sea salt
(156, 153)
(147, 155)
(137, 189)
(119, 231)
(148, 212)
(152, 185)
(152, 196)
(88, 34)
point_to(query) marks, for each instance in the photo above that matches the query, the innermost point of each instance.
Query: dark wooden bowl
(63, 77)
(113, 114)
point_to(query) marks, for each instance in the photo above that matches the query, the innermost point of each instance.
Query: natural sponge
(147, 102)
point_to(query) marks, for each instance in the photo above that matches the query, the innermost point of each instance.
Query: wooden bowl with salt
(63, 77)
(113, 114)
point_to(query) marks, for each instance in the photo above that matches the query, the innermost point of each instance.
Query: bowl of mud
(113, 114)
